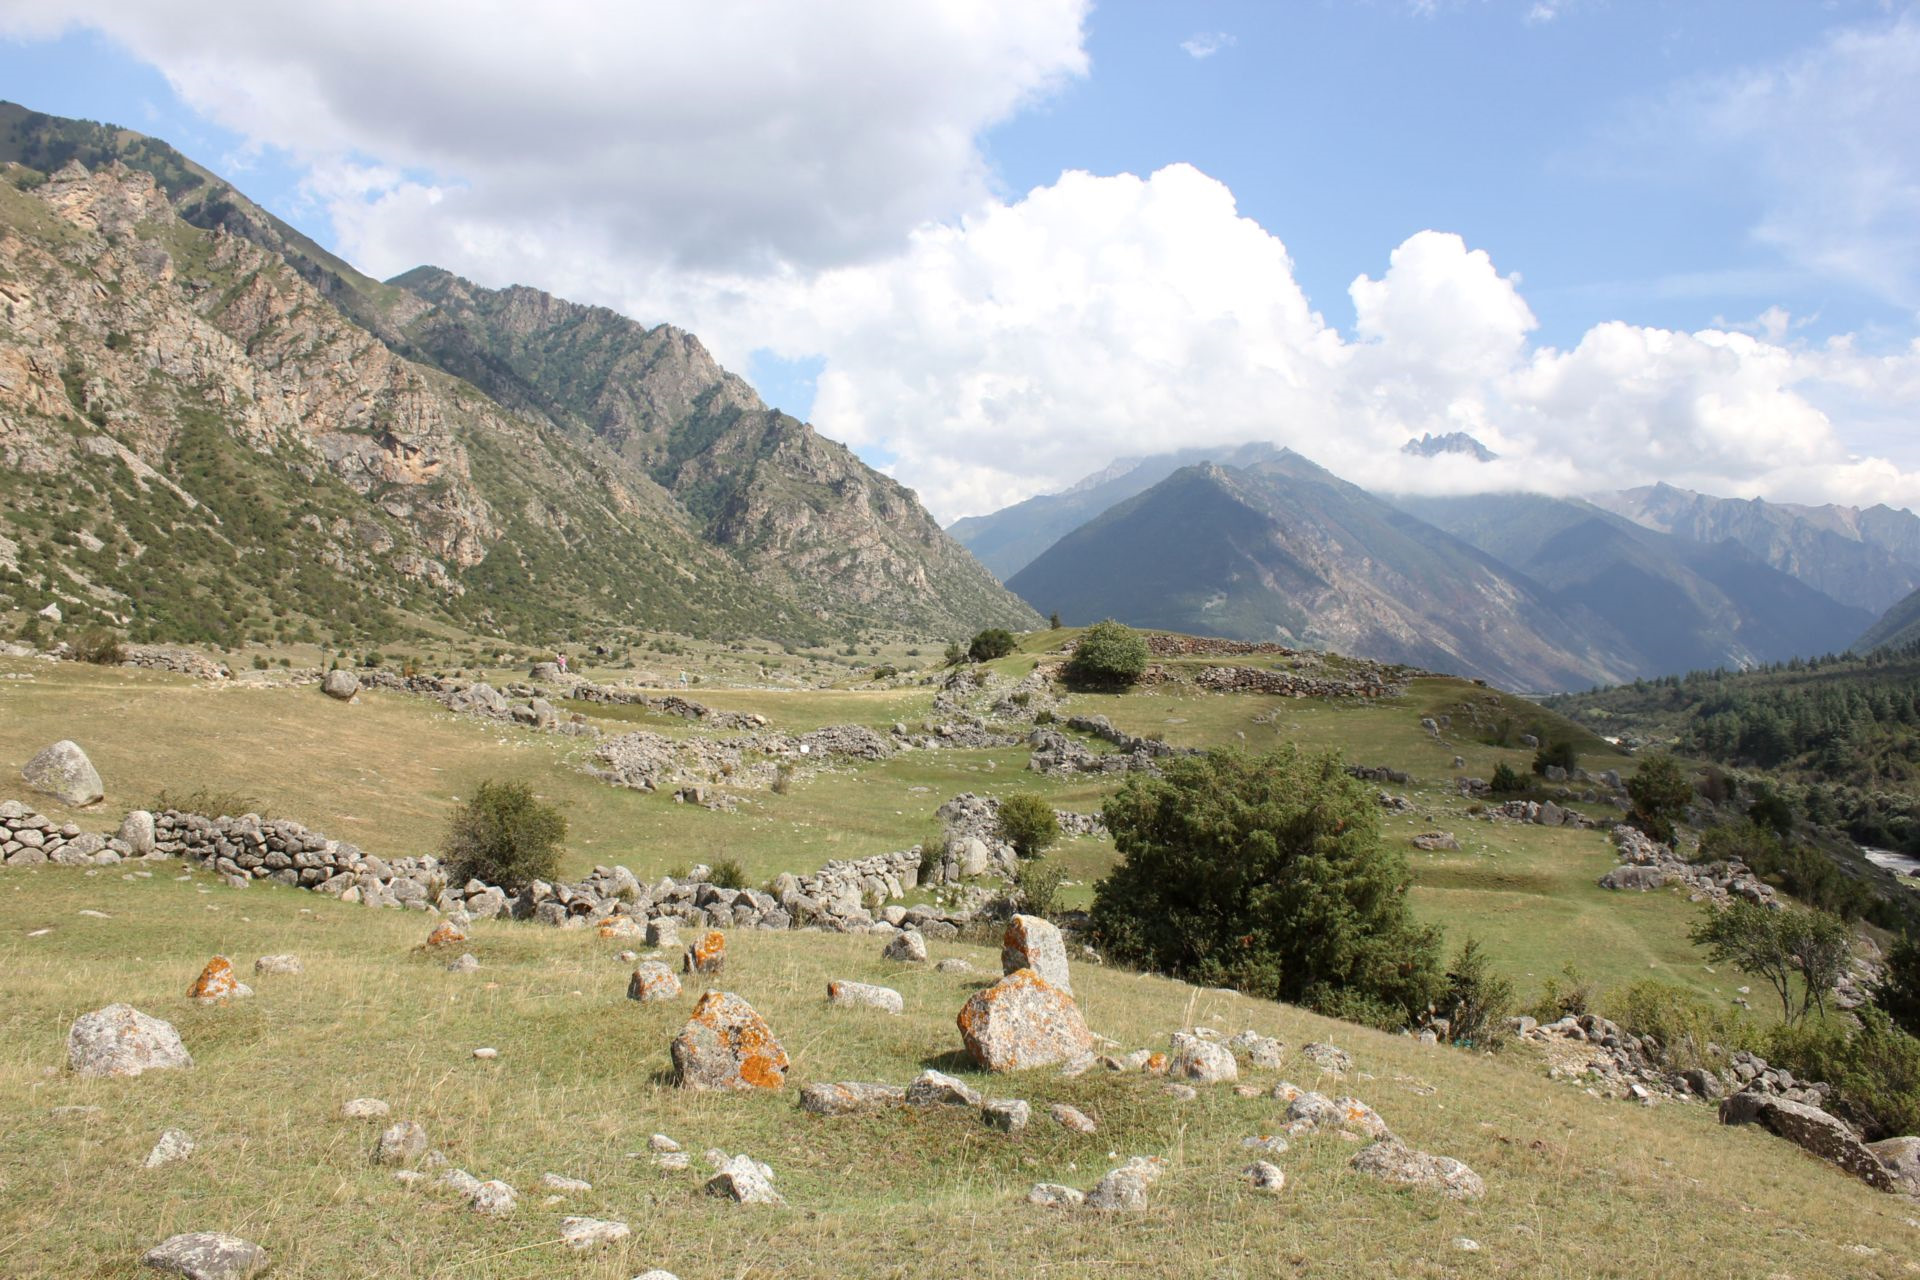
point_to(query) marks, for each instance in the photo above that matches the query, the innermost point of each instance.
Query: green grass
(1577, 1187)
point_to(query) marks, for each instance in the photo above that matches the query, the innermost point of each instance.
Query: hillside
(1866, 558)
(1676, 604)
(1284, 550)
(237, 440)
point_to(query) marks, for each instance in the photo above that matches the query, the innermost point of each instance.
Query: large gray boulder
(1393, 1162)
(1634, 877)
(119, 1040)
(340, 683)
(1826, 1136)
(1023, 1021)
(207, 1255)
(1033, 942)
(64, 772)
(1901, 1158)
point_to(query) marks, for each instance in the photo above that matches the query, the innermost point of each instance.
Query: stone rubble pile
(1539, 813)
(1648, 864)
(1372, 682)
(28, 838)
(648, 761)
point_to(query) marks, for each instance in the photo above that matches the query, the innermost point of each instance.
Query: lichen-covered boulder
(1124, 1190)
(64, 772)
(1824, 1135)
(653, 981)
(619, 928)
(708, 954)
(1394, 1162)
(1201, 1061)
(1023, 1021)
(403, 1142)
(1033, 942)
(119, 1040)
(726, 1045)
(207, 1255)
(217, 983)
(850, 1097)
(446, 934)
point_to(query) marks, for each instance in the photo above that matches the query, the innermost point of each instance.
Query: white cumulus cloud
(1205, 44)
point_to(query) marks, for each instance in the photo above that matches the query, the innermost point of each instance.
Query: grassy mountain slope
(1285, 550)
(1897, 628)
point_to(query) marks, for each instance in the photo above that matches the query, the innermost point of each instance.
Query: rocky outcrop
(1826, 1136)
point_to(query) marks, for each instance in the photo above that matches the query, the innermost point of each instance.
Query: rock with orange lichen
(446, 934)
(653, 981)
(1033, 942)
(1023, 1021)
(217, 983)
(615, 928)
(708, 954)
(726, 1045)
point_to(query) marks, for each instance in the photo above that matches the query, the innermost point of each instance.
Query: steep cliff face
(800, 511)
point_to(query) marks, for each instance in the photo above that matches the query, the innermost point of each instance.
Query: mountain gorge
(215, 430)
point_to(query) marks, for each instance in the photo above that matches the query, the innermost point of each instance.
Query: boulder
(744, 1180)
(850, 1097)
(1633, 877)
(493, 1199)
(653, 981)
(726, 1045)
(1901, 1158)
(1072, 1119)
(1394, 1162)
(1009, 1115)
(937, 1089)
(865, 995)
(217, 983)
(1809, 1127)
(1032, 942)
(207, 1255)
(136, 831)
(446, 934)
(907, 947)
(119, 1040)
(1052, 1195)
(64, 772)
(707, 955)
(1023, 1021)
(280, 964)
(1260, 1051)
(402, 1143)
(663, 932)
(1201, 1060)
(1124, 1190)
(1329, 1059)
(340, 683)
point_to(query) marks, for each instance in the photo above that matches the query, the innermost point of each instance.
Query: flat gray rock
(119, 1040)
(207, 1255)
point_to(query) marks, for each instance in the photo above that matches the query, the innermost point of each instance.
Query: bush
(208, 802)
(100, 647)
(1028, 824)
(1555, 753)
(1053, 620)
(1898, 992)
(1109, 655)
(1038, 884)
(1477, 1000)
(1660, 792)
(994, 642)
(1780, 945)
(1572, 994)
(1266, 873)
(728, 874)
(1507, 780)
(1874, 1069)
(956, 653)
(1682, 1021)
(506, 836)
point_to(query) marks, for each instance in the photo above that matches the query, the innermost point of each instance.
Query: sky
(993, 246)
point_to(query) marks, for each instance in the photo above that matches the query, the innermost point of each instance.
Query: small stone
(460, 1182)
(486, 1053)
(614, 928)
(119, 1040)
(1265, 1176)
(744, 1180)
(937, 1089)
(673, 1161)
(707, 956)
(1466, 1245)
(493, 1199)
(1124, 1190)
(1180, 1092)
(446, 934)
(217, 983)
(1260, 1051)
(403, 1142)
(174, 1144)
(865, 995)
(908, 947)
(661, 1142)
(1009, 1115)
(563, 1184)
(1270, 1143)
(1201, 1060)
(850, 1097)
(364, 1109)
(466, 963)
(1329, 1059)
(1051, 1195)
(656, 1274)
(1391, 1161)
(953, 964)
(1072, 1119)
(653, 981)
(591, 1233)
(207, 1255)
(282, 964)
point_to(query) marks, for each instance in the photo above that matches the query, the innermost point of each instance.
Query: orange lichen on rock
(1156, 1064)
(1023, 1021)
(217, 982)
(614, 928)
(446, 934)
(708, 955)
(727, 1045)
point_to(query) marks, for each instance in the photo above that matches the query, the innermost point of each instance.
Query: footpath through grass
(1576, 1187)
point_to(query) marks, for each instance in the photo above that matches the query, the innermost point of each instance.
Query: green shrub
(100, 647)
(1038, 884)
(783, 778)
(956, 653)
(1507, 780)
(994, 642)
(1874, 1069)
(1794, 950)
(505, 835)
(1898, 992)
(1109, 655)
(1555, 753)
(1266, 873)
(1682, 1021)
(1660, 792)
(1028, 824)
(728, 874)
(208, 802)
(1571, 994)
(1477, 999)
(885, 671)
(1053, 620)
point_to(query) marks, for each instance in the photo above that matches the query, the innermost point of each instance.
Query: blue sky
(1552, 195)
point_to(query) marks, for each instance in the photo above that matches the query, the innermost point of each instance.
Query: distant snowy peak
(1432, 446)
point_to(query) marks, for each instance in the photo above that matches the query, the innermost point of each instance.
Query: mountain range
(214, 429)
(1531, 591)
